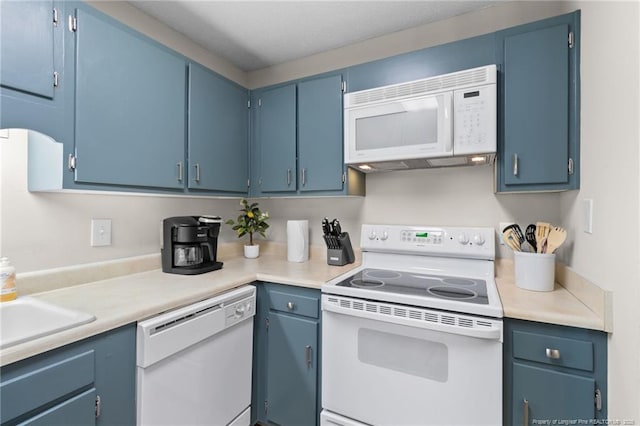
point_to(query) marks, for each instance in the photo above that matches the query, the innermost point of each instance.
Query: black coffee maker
(190, 244)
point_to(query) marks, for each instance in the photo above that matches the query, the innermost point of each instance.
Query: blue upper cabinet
(297, 140)
(320, 148)
(218, 133)
(31, 67)
(276, 139)
(130, 103)
(539, 108)
(28, 65)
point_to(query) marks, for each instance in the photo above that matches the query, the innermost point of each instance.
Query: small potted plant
(251, 220)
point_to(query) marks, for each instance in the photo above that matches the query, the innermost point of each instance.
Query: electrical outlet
(100, 232)
(501, 226)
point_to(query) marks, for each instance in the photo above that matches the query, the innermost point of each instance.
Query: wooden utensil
(555, 239)
(511, 239)
(542, 232)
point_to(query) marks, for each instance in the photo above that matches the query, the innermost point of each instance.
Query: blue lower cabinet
(286, 356)
(72, 384)
(554, 373)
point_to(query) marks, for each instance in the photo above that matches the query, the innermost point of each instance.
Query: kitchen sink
(28, 318)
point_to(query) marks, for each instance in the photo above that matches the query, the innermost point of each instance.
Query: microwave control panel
(475, 120)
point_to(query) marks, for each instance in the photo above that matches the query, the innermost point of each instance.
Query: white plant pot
(252, 252)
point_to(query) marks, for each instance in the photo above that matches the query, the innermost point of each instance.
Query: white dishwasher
(194, 363)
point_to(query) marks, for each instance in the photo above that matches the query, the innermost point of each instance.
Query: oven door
(386, 364)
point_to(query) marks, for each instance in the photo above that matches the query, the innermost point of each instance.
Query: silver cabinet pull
(307, 354)
(288, 176)
(197, 167)
(303, 173)
(515, 164)
(180, 171)
(290, 306)
(525, 412)
(552, 353)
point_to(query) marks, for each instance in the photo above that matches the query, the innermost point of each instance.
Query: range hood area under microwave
(442, 121)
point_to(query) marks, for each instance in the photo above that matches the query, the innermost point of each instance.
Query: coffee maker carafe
(190, 244)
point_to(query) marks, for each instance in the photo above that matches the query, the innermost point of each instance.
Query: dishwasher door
(194, 364)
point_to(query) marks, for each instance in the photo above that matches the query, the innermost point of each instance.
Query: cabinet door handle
(552, 353)
(288, 177)
(290, 306)
(180, 171)
(525, 412)
(303, 173)
(307, 355)
(515, 164)
(197, 167)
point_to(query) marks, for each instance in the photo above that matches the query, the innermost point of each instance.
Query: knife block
(343, 254)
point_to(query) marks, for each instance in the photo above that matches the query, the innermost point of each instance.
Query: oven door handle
(446, 322)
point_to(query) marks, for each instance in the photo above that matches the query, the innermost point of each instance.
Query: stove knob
(384, 235)
(372, 235)
(478, 239)
(463, 239)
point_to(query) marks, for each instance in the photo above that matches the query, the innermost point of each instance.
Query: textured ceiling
(257, 34)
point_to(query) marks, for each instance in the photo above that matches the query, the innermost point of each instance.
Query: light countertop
(136, 296)
(119, 301)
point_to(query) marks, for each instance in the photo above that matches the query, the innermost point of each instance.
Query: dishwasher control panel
(237, 311)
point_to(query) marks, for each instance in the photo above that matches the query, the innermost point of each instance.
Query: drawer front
(294, 304)
(79, 410)
(571, 353)
(39, 387)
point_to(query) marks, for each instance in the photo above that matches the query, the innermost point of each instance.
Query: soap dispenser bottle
(8, 289)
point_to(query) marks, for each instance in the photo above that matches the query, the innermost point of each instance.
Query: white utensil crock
(535, 271)
(297, 240)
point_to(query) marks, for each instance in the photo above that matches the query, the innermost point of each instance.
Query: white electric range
(414, 335)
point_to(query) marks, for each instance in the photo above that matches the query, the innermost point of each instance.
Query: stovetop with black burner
(468, 290)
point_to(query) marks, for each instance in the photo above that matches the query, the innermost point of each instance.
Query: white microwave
(447, 120)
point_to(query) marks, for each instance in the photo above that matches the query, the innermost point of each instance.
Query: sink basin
(27, 318)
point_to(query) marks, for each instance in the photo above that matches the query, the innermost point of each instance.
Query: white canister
(297, 240)
(535, 271)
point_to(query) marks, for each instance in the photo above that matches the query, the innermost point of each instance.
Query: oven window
(417, 357)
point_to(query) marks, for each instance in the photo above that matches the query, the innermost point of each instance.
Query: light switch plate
(100, 232)
(587, 218)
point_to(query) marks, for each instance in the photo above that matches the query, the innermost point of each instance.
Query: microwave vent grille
(461, 79)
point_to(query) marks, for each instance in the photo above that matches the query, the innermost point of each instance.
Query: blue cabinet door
(292, 370)
(31, 51)
(539, 108)
(218, 132)
(541, 395)
(276, 139)
(130, 123)
(26, 31)
(60, 387)
(320, 146)
(77, 411)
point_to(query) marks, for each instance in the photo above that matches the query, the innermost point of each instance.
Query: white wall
(45, 230)
(610, 257)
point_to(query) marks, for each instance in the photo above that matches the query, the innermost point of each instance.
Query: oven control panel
(469, 242)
